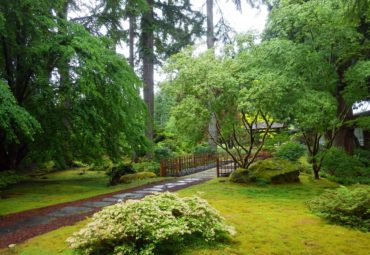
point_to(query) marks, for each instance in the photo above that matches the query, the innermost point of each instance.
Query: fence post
(162, 169)
(178, 166)
(218, 166)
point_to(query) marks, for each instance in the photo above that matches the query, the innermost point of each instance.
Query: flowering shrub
(144, 227)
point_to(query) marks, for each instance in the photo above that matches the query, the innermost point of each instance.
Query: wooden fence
(181, 166)
(225, 165)
(185, 165)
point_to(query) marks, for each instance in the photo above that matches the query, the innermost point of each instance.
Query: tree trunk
(210, 33)
(132, 40)
(316, 168)
(345, 137)
(212, 130)
(148, 65)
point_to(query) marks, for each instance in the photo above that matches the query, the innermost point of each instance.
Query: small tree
(207, 84)
(315, 116)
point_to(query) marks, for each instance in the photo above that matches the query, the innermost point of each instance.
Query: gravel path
(18, 227)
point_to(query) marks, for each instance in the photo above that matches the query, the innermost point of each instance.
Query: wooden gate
(225, 165)
(186, 165)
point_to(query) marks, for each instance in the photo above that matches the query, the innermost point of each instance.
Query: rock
(271, 170)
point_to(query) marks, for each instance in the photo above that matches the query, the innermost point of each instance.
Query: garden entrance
(187, 165)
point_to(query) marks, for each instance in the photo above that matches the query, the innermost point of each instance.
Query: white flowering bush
(146, 226)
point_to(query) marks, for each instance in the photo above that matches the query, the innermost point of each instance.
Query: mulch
(28, 232)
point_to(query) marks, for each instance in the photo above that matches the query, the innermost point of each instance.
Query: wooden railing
(185, 165)
(225, 165)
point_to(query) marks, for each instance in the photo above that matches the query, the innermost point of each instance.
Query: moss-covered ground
(271, 219)
(59, 187)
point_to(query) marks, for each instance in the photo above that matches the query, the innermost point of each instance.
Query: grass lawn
(59, 187)
(268, 220)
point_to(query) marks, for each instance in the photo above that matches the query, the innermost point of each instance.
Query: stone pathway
(67, 213)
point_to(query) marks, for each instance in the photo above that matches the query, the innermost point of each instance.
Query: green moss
(269, 220)
(274, 219)
(128, 178)
(271, 170)
(59, 187)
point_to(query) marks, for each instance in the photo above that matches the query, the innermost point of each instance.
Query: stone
(110, 199)
(98, 203)
(70, 210)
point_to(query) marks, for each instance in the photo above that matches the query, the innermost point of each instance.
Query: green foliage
(241, 175)
(345, 169)
(345, 206)
(154, 225)
(128, 178)
(363, 155)
(357, 78)
(271, 170)
(202, 149)
(291, 151)
(67, 83)
(117, 171)
(274, 140)
(163, 102)
(8, 178)
(146, 166)
(162, 152)
(15, 121)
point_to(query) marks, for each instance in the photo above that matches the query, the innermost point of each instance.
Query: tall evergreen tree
(70, 95)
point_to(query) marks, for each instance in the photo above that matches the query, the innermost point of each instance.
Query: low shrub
(117, 171)
(273, 170)
(274, 140)
(8, 178)
(162, 152)
(202, 149)
(290, 151)
(345, 206)
(104, 164)
(146, 166)
(345, 169)
(157, 224)
(127, 178)
(363, 156)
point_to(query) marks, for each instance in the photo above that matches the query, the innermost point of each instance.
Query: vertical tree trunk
(148, 65)
(210, 33)
(316, 168)
(132, 40)
(345, 137)
(212, 129)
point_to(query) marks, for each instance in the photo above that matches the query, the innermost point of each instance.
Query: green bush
(8, 178)
(345, 206)
(202, 149)
(274, 140)
(290, 151)
(128, 178)
(162, 152)
(146, 166)
(363, 156)
(272, 170)
(157, 224)
(117, 171)
(343, 168)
